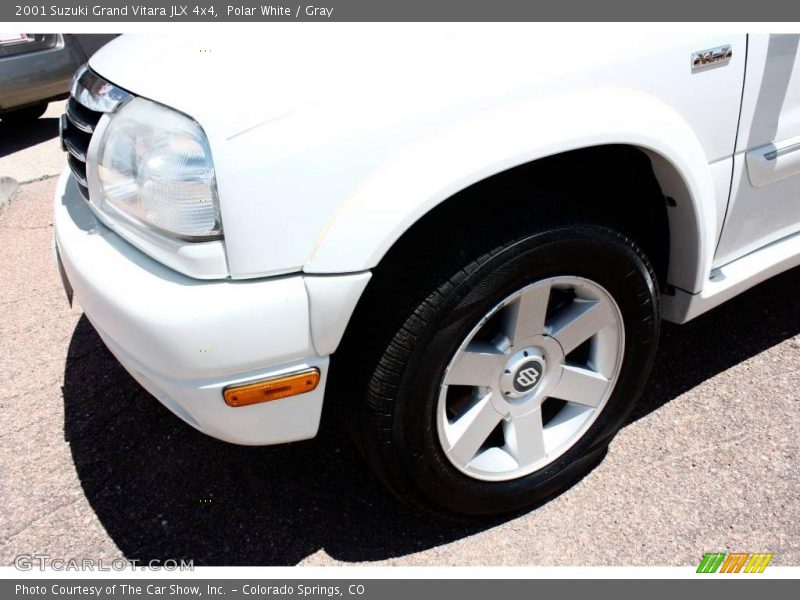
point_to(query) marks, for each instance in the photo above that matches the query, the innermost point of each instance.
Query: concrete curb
(8, 185)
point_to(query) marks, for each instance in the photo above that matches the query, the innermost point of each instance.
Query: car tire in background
(497, 369)
(23, 116)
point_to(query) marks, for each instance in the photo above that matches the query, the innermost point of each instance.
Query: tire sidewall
(595, 253)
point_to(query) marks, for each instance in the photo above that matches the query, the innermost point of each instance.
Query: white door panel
(773, 162)
(765, 192)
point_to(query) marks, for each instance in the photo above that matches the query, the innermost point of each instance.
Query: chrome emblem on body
(713, 57)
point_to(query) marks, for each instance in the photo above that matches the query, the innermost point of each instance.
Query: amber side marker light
(272, 389)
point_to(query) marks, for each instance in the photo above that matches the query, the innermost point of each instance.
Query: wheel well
(615, 183)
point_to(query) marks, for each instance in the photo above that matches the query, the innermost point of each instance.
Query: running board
(733, 279)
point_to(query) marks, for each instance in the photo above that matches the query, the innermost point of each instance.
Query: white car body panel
(764, 206)
(333, 300)
(735, 278)
(388, 203)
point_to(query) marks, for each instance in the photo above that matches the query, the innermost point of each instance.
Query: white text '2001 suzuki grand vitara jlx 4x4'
(463, 238)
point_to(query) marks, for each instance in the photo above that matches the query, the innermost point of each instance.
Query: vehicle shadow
(162, 490)
(16, 138)
(722, 338)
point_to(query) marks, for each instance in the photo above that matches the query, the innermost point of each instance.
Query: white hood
(231, 83)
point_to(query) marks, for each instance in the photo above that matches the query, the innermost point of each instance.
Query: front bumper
(185, 340)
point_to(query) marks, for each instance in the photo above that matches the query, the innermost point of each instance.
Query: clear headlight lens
(154, 166)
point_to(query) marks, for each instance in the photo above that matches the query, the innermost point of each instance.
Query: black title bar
(58, 11)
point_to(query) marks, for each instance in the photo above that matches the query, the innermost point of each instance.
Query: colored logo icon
(736, 562)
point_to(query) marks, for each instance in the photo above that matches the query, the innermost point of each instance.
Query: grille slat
(84, 191)
(81, 117)
(77, 145)
(78, 170)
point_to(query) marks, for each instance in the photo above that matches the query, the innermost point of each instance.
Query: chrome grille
(76, 133)
(90, 98)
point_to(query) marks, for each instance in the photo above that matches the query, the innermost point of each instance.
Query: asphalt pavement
(92, 466)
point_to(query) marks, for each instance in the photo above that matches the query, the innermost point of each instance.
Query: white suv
(462, 237)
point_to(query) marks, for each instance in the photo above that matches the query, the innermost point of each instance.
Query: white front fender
(432, 170)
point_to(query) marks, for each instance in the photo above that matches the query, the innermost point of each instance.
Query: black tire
(23, 116)
(433, 305)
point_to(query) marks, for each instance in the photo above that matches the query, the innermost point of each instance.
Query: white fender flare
(406, 187)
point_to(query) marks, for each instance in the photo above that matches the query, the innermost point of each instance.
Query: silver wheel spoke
(476, 365)
(470, 431)
(525, 317)
(581, 386)
(580, 321)
(519, 364)
(525, 437)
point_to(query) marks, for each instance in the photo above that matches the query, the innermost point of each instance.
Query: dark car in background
(37, 68)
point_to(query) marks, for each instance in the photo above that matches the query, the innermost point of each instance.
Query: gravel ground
(92, 466)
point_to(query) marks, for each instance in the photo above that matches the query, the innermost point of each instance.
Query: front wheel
(509, 378)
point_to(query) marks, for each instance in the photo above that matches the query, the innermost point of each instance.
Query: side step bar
(732, 279)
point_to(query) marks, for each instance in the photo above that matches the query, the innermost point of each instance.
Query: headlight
(154, 166)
